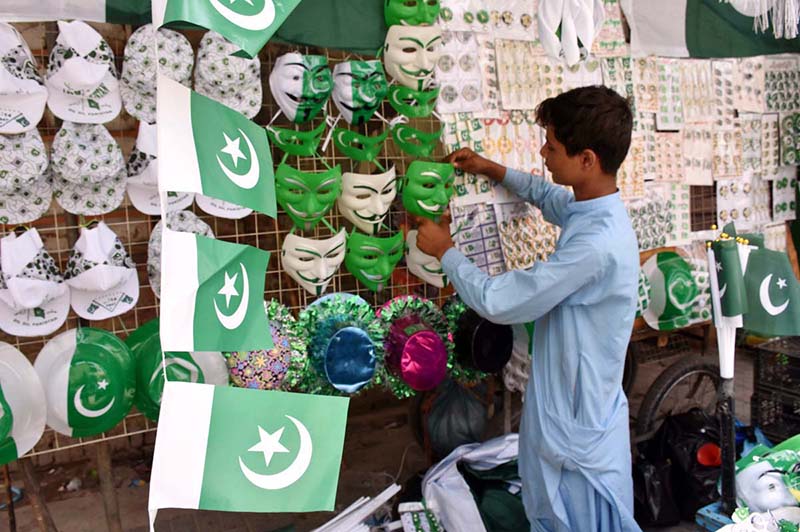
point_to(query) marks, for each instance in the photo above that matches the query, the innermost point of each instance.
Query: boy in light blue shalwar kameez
(574, 457)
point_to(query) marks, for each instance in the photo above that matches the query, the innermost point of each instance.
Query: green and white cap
(101, 275)
(90, 199)
(22, 91)
(184, 221)
(89, 380)
(86, 153)
(23, 408)
(204, 367)
(223, 77)
(81, 76)
(143, 176)
(679, 291)
(23, 160)
(222, 209)
(26, 204)
(140, 66)
(34, 299)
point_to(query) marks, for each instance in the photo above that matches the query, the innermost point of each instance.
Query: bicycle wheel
(688, 383)
(631, 367)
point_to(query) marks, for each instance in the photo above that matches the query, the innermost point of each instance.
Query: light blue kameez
(574, 456)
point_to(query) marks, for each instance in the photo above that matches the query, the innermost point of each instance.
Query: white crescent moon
(722, 291)
(291, 474)
(255, 22)
(85, 412)
(763, 294)
(235, 320)
(250, 179)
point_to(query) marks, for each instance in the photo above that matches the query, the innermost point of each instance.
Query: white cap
(101, 275)
(22, 91)
(222, 209)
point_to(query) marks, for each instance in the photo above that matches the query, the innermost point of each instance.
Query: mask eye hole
(363, 196)
(388, 191)
(428, 186)
(325, 191)
(433, 2)
(409, 50)
(306, 259)
(410, 3)
(295, 191)
(370, 257)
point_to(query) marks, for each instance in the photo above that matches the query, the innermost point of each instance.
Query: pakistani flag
(246, 23)
(212, 295)
(730, 279)
(700, 28)
(114, 11)
(242, 450)
(208, 148)
(773, 295)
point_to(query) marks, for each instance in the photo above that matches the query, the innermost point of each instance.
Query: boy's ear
(589, 159)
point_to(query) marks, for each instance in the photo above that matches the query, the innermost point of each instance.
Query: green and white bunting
(247, 23)
(773, 295)
(212, 295)
(730, 279)
(241, 450)
(113, 11)
(700, 28)
(210, 149)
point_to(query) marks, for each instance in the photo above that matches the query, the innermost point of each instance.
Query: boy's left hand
(434, 239)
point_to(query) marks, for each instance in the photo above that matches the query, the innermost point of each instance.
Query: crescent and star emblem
(766, 302)
(270, 444)
(249, 179)
(255, 22)
(233, 321)
(194, 371)
(86, 412)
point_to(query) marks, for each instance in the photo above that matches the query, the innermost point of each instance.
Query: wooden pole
(107, 489)
(12, 518)
(40, 511)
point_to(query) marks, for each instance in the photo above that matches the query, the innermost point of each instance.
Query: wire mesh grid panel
(60, 230)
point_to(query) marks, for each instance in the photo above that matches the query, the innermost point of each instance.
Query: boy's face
(566, 170)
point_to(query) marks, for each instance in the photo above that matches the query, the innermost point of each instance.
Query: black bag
(654, 502)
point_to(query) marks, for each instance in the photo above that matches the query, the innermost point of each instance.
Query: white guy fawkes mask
(301, 84)
(313, 263)
(426, 267)
(366, 198)
(410, 53)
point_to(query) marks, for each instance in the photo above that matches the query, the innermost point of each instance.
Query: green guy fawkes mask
(298, 143)
(359, 87)
(410, 12)
(414, 142)
(372, 260)
(427, 188)
(301, 84)
(357, 146)
(307, 196)
(413, 103)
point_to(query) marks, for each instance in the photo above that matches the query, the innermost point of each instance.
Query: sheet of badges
(505, 19)
(462, 130)
(698, 154)
(525, 237)
(475, 234)
(669, 116)
(652, 217)
(775, 236)
(750, 124)
(458, 73)
(669, 157)
(610, 40)
(789, 129)
(645, 88)
(784, 185)
(525, 79)
(514, 140)
(744, 201)
(697, 91)
(770, 145)
(782, 83)
(643, 146)
(585, 73)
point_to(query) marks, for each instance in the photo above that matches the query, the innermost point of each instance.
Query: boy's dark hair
(594, 118)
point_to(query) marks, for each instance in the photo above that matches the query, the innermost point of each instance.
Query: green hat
(89, 380)
(145, 345)
(679, 294)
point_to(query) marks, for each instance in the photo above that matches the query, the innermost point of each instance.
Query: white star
(229, 289)
(781, 283)
(232, 149)
(269, 444)
(103, 384)
(719, 266)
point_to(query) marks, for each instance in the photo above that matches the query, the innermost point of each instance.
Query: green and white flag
(773, 295)
(212, 295)
(700, 28)
(114, 11)
(730, 279)
(210, 149)
(241, 450)
(247, 23)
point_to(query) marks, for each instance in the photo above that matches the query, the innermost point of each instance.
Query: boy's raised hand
(434, 238)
